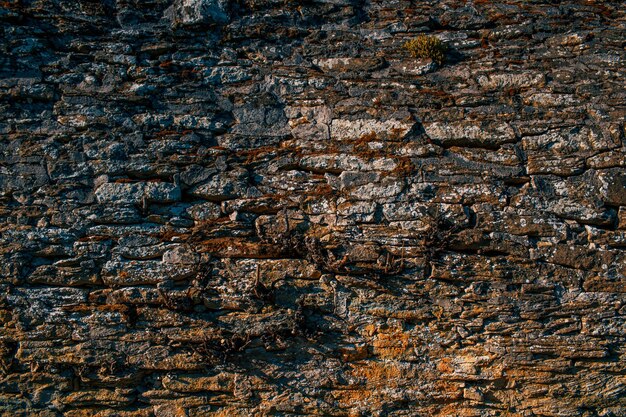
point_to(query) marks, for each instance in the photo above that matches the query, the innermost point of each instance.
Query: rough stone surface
(267, 207)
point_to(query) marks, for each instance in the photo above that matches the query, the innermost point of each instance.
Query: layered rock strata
(268, 207)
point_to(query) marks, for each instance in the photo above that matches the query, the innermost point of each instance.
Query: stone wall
(268, 207)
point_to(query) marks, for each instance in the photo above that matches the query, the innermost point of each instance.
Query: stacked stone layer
(268, 207)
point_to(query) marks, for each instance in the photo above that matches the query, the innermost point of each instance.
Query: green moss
(427, 47)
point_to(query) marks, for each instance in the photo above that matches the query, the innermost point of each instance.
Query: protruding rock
(344, 129)
(136, 193)
(198, 12)
(484, 134)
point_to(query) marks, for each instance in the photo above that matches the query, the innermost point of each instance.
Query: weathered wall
(264, 207)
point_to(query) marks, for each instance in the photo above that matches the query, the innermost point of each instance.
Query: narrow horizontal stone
(470, 134)
(135, 193)
(342, 129)
(119, 274)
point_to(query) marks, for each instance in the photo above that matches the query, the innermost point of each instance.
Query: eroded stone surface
(263, 207)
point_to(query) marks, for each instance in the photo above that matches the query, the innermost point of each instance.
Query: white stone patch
(342, 129)
(460, 132)
(134, 193)
(510, 80)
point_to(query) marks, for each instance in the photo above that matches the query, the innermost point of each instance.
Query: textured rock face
(197, 12)
(264, 207)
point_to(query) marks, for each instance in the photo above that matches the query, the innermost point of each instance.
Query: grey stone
(223, 186)
(468, 133)
(197, 12)
(136, 193)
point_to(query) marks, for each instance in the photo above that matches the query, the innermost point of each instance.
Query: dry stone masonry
(269, 207)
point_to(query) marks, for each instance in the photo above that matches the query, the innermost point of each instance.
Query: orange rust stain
(11, 4)
(367, 137)
(391, 345)
(445, 366)
(94, 238)
(358, 353)
(351, 397)
(238, 248)
(115, 308)
(396, 133)
(404, 167)
(369, 330)
(321, 190)
(252, 155)
(165, 133)
(378, 373)
(374, 377)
